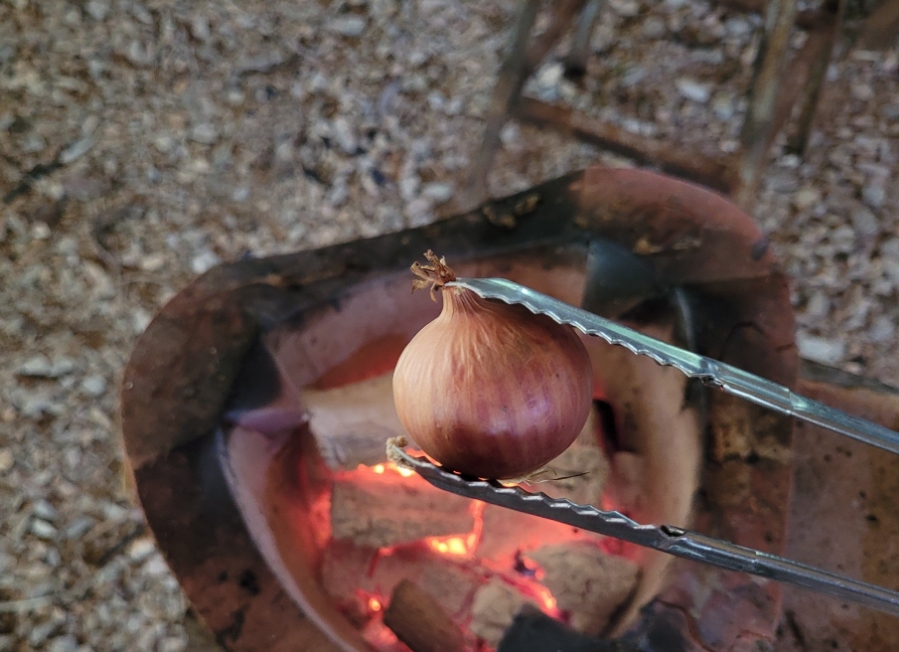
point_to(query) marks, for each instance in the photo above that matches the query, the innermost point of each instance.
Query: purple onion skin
(492, 390)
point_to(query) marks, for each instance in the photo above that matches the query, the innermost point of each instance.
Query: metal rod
(712, 373)
(814, 85)
(517, 66)
(881, 27)
(672, 540)
(576, 61)
(763, 97)
(798, 77)
(512, 75)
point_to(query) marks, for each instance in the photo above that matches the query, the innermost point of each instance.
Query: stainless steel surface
(675, 541)
(710, 372)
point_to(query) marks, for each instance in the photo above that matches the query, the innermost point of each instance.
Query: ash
(143, 143)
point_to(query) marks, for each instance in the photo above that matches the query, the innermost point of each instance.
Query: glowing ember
(379, 635)
(536, 592)
(372, 601)
(390, 466)
(477, 512)
(473, 553)
(449, 546)
(546, 599)
(527, 567)
(461, 546)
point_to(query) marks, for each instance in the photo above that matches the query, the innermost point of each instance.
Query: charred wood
(420, 622)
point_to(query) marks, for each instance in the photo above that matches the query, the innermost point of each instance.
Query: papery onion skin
(490, 389)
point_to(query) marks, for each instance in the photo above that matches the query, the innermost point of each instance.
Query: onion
(490, 389)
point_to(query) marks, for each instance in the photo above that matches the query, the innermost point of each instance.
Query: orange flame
(540, 594)
(546, 599)
(532, 588)
(477, 513)
(530, 567)
(378, 635)
(381, 468)
(449, 545)
(373, 602)
(461, 545)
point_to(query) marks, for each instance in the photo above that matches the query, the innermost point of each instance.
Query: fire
(527, 567)
(477, 512)
(536, 592)
(449, 546)
(379, 635)
(381, 468)
(372, 601)
(546, 599)
(461, 545)
(524, 574)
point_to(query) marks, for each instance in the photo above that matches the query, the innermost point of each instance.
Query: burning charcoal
(534, 631)
(450, 580)
(585, 462)
(379, 637)
(343, 568)
(625, 481)
(350, 572)
(586, 582)
(420, 622)
(352, 423)
(507, 532)
(493, 609)
(381, 510)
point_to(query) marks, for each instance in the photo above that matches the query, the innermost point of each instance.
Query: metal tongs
(669, 539)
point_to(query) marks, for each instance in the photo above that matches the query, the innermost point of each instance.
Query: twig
(712, 172)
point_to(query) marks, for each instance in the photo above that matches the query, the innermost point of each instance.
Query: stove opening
(479, 564)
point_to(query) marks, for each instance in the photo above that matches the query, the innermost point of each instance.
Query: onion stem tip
(436, 274)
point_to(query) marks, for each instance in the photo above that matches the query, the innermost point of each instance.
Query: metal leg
(812, 91)
(563, 13)
(763, 96)
(512, 75)
(881, 27)
(576, 61)
(518, 65)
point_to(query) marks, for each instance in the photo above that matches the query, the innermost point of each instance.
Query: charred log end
(420, 622)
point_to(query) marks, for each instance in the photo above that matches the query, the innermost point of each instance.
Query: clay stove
(257, 404)
(376, 525)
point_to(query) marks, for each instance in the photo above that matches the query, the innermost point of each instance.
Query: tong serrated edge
(665, 538)
(710, 372)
